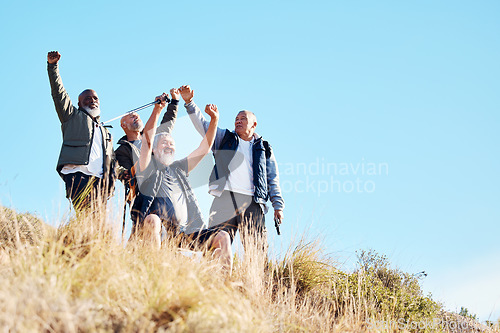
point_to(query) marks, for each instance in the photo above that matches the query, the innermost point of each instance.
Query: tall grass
(79, 278)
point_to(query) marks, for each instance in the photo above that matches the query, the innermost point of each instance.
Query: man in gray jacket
(245, 175)
(86, 161)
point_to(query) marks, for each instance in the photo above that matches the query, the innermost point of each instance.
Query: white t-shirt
(240, 179)
(94, 168)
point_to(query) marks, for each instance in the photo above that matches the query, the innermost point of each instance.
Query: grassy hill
(79, 278)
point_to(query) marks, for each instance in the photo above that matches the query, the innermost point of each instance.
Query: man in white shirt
(86, 161)
(245, 175)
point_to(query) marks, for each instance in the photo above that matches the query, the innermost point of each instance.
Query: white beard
(93, 112)
(165, 158)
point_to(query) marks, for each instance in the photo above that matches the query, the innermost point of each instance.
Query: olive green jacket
(78, 130)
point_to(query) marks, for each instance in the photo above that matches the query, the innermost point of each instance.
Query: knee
(222, 240)
(152, 224)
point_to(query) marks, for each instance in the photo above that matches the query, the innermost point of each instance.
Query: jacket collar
(95, 120)
(124, 140)
(256, 136)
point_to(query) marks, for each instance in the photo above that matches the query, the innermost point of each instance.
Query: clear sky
(383, 115)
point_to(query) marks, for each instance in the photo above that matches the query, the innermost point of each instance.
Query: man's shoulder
(181, 165)
(123, 141)
(268, 148)
(122, 149)
(259, 140)
(229, 135)
(78, 118)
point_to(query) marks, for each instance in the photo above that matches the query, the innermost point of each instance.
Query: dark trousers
(234, 211)
(81, 189)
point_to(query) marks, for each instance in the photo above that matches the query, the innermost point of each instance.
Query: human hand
(175, 93)
(163, 102)
(53, 57)
(187, 93)
(278, 216)
(211, 110)
(124, 175)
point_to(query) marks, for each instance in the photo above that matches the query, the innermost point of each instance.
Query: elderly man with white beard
(86, 161)
(129, 148)
(127, 153)
(168, 198)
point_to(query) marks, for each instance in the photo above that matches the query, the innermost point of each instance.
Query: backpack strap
(268, 148)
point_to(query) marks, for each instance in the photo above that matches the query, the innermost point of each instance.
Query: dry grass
(79, 278)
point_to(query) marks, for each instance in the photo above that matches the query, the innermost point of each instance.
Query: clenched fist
(175, 93)
(211, 110)
(53, 57)
(187, 93)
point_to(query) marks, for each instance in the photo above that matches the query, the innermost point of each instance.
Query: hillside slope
(79, 278)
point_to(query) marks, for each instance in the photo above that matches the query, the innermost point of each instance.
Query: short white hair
(251, 114)
(159, 136)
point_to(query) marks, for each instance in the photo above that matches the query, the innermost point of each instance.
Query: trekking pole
(138, 109)
(127, 189)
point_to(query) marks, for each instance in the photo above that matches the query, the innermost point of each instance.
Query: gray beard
(93, 112)
(165, 158)
(136, 126)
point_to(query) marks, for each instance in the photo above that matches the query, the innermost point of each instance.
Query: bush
(373, 291)
(81, 278)
(17, 229)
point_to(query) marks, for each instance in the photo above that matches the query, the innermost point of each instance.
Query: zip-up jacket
(265, 167)
(78, 129)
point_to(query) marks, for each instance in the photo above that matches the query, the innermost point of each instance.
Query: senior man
(86, 161)
(168, 198)
(129, 148)
(245, 175)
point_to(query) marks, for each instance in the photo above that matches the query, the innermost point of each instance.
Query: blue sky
(383, 115)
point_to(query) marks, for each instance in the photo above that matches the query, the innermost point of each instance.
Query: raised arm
(197, 118)
(208, 140)
(169, 118)
(62, 102)
(150, 132)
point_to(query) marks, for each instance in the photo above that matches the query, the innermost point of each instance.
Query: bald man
(245, 175)
(86, 161)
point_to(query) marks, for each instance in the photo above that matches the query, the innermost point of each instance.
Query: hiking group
(158, 192)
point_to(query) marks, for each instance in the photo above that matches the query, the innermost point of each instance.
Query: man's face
(165, 150)
(245, 123)
(88, 100)
(132, 122)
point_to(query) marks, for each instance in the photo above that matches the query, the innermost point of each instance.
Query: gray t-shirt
(171, 188)
(170, 200)
(137, 143)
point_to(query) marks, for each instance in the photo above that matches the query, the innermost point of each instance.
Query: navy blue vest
(261, 150)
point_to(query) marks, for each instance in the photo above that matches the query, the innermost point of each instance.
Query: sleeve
(273, 182)
(124, 157)
(182, 165)
(201, 124)
(62, 102)
(145, 179)
(169, 118)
